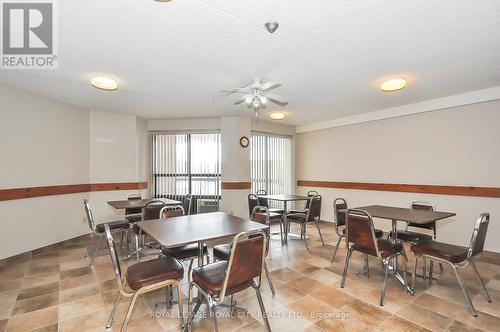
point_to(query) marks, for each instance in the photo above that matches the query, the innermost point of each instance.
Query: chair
(312, 215)
(456, 256)
(186, 252)
(187, 204)
(142, 278)
(265, 202)
(310, 193)
(339, 223)
(98, 230)
(134, 214)
(361, 237)
(260, 214)
(244, 268)
(150, 211)
(414, 237)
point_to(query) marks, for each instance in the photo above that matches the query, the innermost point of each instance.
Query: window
(188, 163)
(271, 163)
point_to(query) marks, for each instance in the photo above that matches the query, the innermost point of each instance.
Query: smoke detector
(272, 26)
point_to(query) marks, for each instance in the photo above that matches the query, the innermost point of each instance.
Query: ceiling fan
(256, 95)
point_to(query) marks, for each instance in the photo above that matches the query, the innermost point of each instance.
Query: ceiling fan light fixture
(248, 99)
(104, 83)
(277, 116)
(263, 99)
(393, 84)
(271, 26)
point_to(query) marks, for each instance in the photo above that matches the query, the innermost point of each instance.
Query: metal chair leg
(210, 305)
(319, 231)
(268, 276)
(424, 269)
(129, 312)
(180, 304)
(480, 280)
(431, 270)
(113, 311)
(346, 267)
(384, 283)
(136, 247)
(96, 250)
(336, 248)
(191, 313)
(464, 291)
(304, 225)
(189, 270)
(262, 308)
(367, 266)
(405, 269)
(414, 275)
(441, 267)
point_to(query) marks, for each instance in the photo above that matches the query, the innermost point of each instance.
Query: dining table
(285, 199)
(197, 228)
(408, 215)
(139, 203)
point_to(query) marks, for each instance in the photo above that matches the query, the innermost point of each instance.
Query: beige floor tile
(3, 324)
(398, 324)
(342, 325)
(32, 320)
(81, 307)
(326, 277)
(77, 282)
(36, 303)
(311, 308)
(34, 281)
(27, 293)
(438, 305)
(285, 274)
(483, 320)
(425, 318)
(307, 285)
(457, 326)
(369, 314)
(94, 322)
(78, 293)
(333, 297)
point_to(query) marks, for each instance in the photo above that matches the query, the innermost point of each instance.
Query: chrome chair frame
(212, 302)
(385, 261)
(483, 218)
(138, 249)
(91, 222)
(122, 291)
(189, 198)
(303, 226)
(133, 196)
(336, 226)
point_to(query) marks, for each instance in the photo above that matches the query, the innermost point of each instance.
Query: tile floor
(53, 289)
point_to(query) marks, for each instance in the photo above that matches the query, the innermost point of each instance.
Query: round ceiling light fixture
(277, 116)
(104, 83)
(272, 26)
(393, 84)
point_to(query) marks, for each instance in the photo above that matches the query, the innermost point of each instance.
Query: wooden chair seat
(411, 236)
(448, 252)
(386, 248)
(210, 278)
(184, 252)
(154, 271)
(113, 225)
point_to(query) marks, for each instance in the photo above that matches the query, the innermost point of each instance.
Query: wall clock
(244, 141)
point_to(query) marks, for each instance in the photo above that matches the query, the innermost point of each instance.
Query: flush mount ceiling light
(393, 84)
(104, 83)
(163, 0)
(272, 26)
(277, 116)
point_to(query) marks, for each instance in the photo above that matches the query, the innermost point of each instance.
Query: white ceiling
(171, 59)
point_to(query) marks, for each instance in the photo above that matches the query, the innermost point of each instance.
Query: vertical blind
(188, 163)
(271, 166)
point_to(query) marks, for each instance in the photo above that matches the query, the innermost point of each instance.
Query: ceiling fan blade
(282, 101)
(269, 86)
(240, 100)
(233, 91)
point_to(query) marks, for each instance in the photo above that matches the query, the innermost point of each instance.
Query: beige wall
(42, 142)
(47, 142)
(455, 146)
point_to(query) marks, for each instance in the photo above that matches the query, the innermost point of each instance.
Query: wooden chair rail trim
(30, 192)
(407, 188)
(236, 185)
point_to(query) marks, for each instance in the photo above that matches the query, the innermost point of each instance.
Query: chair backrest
(314, 211)
(310, 194)
(262, 201)
(360, 230)
(246, 261)
(152, 209)
(114, 257)
(478, 235)
(171, 211)
(186, 203)
(253, 201)
(260, 214)
(90, 215)
(132, 197)
(425, 206)
(339, 217)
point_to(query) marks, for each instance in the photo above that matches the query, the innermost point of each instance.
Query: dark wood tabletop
(177, 231)
(405, 214)
(138, 203)
(285, 197)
